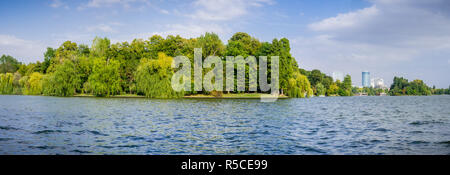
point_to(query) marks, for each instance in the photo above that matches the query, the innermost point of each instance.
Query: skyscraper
(366, 79)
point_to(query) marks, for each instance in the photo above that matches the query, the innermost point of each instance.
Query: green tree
(100, 47)
(418, 87)
(333, 90)
(211, 45)
(48, 56)
(171, 46)
(16, 83)
(299, 86)
(153, 78)
(128, 57)
(8, 64)
(63, 82)
(6, 83)
(67, 51)
(288, 65)
(315, 77)
(83, 50)
(32, 84)
(401, 86)
(370, 91)
(83, 68)
(345, 88)
(242, 44)
(320, 89)
(398, 86)
(327, 81)
(108, 69)
(105, 78)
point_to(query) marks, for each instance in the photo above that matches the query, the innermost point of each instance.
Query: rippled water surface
(334, 125)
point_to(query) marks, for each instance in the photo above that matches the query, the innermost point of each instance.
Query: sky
(408, 38)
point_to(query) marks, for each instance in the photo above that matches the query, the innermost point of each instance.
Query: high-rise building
(379, 83)
(338, 76)
(366, 79)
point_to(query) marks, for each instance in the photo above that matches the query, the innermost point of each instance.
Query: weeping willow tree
(63, 82)
(32, 85)
(153, 78)
(299, 86)
(105, 78)
(6, 83)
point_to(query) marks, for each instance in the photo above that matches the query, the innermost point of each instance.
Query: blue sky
(409, 38)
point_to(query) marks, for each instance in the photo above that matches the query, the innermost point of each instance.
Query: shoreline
(232, 96)
(197, 96)
(202, 96)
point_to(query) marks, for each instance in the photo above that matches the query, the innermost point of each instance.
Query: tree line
(440, 91)
(324, 85)
(143, 67)
(402, 86)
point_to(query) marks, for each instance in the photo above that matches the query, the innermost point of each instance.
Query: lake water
(334, 125)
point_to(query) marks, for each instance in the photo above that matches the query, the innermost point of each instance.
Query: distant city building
(366, 79)
(379, 83)
(338, 76)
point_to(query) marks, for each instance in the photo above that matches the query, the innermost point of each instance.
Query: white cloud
(346, 20)
(23, 50)
(164, 11)
(389, 38)
(109, 3)
(395, 23)
(220, 10)
(102, 28)
(58, 4)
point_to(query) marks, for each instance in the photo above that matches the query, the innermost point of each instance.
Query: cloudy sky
(409, 38)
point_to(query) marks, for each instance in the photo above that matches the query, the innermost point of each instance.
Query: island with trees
(143, 68)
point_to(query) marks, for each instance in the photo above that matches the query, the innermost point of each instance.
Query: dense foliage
(143, 67)
(319, 81)
(440, 91)
(8, 64)
(299, 86)
(63, 82)
(105, 78)
(345, 88)
(153, 78)
(370, 91)
(320, 89)
(32, 85)
(6, 83)
(401, 86)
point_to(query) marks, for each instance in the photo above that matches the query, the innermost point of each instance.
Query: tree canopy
(401, 86)
(63, 82)
(8, 64)
(154, 78)
(142, 67)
